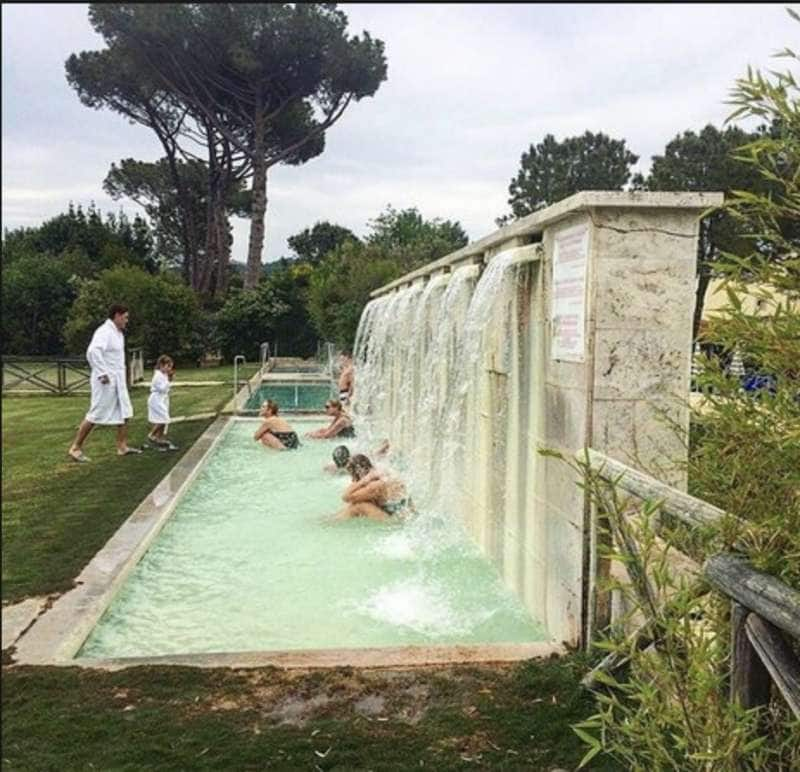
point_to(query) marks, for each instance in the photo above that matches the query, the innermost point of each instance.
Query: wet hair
(341, 456)
(164, 359)
(347, 353)
(334, 403)
(116, 308)
(358, 466)
(271, 406)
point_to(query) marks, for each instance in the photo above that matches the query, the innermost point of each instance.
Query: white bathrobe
(158, 401)
(110, 404)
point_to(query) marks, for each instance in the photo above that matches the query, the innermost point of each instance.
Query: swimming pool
(250, 561)
(292, 397)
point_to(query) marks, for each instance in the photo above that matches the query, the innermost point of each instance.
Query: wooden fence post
(750, 681)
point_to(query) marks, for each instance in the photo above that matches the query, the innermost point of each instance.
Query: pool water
(291, 396)
(251, 561)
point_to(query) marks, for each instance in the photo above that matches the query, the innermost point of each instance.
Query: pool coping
(57, 635)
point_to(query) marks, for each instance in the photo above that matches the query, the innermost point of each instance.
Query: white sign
(568, 309)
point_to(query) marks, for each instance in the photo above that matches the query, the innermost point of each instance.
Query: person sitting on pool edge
(275, 432)
(341, 424)
(372, 493)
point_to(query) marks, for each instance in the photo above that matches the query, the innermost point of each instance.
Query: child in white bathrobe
(158, 403)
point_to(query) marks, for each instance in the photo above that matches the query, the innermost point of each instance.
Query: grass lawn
(221, 373)
(57, 514)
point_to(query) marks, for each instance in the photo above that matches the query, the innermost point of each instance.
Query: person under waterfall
(346, 377)
(373, 493)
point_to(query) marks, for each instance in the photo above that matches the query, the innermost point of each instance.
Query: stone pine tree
(312, 244)
(152, 186)
(112, 79)
(706, 161)
(269, 78)
(553, 170)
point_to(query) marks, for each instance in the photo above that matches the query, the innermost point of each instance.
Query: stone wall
(626, 396)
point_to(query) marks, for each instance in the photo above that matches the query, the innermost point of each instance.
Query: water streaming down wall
(441, 375)
(469, 380)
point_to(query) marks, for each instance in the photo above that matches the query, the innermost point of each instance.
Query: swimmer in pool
(341, 424)
(275, 432)
(372, 493)
(341, 455)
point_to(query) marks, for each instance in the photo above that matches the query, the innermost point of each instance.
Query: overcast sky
(469, 88)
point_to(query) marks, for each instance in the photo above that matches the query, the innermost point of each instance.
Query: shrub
(164, 314)
(37, 295)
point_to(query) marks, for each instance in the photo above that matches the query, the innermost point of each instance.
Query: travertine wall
(527, 511)
(629, 398)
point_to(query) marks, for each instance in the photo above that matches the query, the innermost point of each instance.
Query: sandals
(130, 451)
(80, 457)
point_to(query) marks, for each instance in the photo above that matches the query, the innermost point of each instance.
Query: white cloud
(469, 88)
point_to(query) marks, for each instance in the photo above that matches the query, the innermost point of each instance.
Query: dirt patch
(297, 710)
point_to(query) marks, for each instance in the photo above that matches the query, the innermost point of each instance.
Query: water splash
(424, 359)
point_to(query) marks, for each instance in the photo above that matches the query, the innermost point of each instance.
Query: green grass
(505, 718)
(221, 373)
(57, 514)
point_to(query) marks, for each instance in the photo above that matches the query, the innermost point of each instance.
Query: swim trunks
(289, 439)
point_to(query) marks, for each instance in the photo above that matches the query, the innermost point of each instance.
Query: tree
(37, 295)
(411, 239)
(269, 79)
(552, 170)
(707, 161)
(164, 312)
(340, 288)
(312, 244)
(152, 186)
(247, 319)
(84, 241)
(399, 241)
(114, 79)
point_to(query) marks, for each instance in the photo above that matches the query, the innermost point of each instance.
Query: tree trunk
(705, 253)
(185, 216)
(224, 252)
(259, 205)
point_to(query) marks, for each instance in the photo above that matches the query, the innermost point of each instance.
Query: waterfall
(432, 370)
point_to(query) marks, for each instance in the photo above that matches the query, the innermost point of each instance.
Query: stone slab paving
(17, 617)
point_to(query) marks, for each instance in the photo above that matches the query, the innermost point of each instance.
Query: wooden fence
(58, 375)
(764, 610)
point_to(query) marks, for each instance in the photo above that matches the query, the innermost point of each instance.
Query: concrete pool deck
(56, 636)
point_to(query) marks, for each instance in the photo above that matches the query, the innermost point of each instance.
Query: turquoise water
(250, 561)
(291, 396)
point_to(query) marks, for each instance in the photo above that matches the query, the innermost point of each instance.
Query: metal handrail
(265, 357)
(236, 379)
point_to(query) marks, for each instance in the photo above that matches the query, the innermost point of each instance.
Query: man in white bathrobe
(110, 405)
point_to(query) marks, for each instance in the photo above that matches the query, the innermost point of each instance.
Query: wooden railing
(764, 610)
(135, 365)
(45, 374)
(59, 375)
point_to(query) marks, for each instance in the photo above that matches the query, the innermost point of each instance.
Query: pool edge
(375, 657)
(59, 632)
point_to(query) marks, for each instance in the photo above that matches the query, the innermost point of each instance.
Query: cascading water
(426, 360)
(434, 375)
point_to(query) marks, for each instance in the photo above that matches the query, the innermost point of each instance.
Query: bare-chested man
(346, 377)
